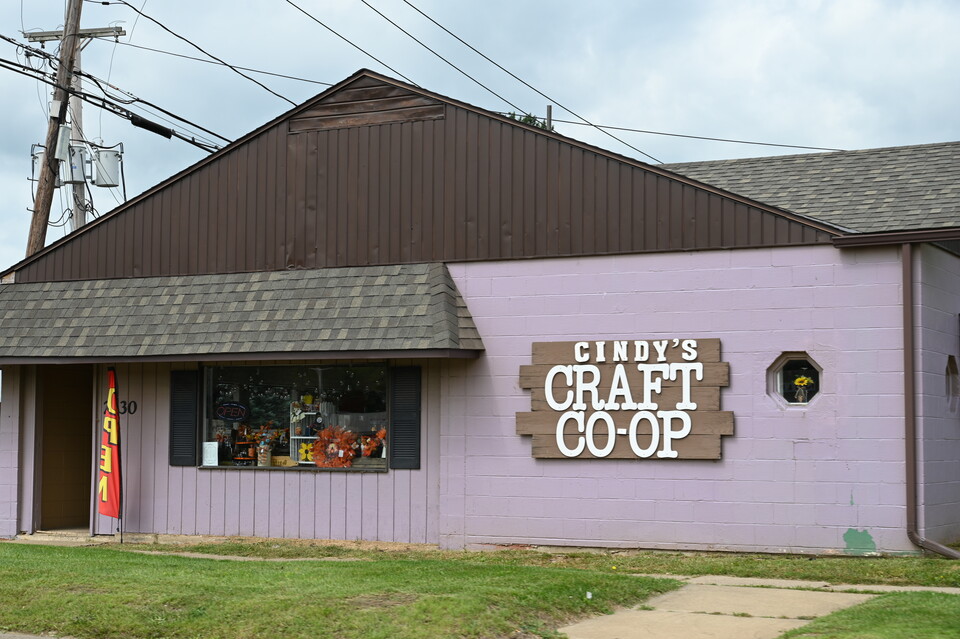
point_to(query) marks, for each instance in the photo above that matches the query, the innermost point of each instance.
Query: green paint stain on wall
(859, 542)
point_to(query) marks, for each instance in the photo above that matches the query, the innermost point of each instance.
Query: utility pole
(79, 217)
(51, 165)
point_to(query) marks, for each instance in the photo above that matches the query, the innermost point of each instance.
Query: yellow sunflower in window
(306, 451)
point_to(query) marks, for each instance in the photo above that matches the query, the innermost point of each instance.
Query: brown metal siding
(463, 186)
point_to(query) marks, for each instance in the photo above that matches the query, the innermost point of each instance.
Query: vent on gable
(364, 103)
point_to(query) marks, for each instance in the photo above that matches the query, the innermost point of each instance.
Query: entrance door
(66, 460)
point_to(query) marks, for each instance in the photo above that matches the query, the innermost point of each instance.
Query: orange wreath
(335, 447)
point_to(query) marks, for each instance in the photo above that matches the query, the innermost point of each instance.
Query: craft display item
(335, 447)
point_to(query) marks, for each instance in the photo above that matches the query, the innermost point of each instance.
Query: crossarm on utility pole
(51, 166)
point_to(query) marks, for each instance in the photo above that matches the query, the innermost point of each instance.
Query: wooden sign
(626, 399)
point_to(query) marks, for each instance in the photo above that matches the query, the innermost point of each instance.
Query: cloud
(850, 73)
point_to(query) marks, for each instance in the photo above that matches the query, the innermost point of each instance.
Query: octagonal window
(795, 377)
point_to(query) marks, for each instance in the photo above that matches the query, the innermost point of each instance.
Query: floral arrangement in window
(802, 383)
(335, 447)
(264, 436)
(369, 444)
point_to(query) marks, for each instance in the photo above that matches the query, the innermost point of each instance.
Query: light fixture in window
(794, 378)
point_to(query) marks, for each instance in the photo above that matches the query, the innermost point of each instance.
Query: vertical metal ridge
(462, 187)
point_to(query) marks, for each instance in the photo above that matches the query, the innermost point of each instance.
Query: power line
(132, 98)
(700, 137)
(190, 57)
(414, 38)
(44, 54)
(355, 46)
(526, 84)
(116, 109)
(40, 53)
(201, 50)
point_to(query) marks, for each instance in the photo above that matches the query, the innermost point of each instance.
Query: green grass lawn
(918, 571)
(907, 615)
(364, 592)
(107, 593)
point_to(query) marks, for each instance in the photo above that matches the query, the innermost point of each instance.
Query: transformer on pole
(73, 148)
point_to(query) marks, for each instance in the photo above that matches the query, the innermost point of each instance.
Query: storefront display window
(331, 416)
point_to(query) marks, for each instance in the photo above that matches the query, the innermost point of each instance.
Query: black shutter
(184, 412)
(405, 417)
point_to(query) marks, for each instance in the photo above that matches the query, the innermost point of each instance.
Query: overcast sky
(841, 74)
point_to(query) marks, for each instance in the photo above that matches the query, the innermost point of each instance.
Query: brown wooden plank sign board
(626, 399)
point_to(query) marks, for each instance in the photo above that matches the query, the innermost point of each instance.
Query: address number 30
(124, 407)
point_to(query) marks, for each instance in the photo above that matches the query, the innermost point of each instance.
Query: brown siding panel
(423, 207)
(383, 229)
(251, 213)
(564, 185)
(403, 252)
(649, 241)
(458, 186)
(483, 187)
(587, 202)
(359, 245)
(601, 214)
(515, 193)
(675, 210)
(397, 170)
(373, 237)
(663, 214)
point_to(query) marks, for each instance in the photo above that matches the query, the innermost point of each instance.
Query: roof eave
(886, 238)
(433, 353)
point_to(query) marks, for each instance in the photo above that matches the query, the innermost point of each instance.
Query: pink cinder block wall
(823, 478)
(938, 327)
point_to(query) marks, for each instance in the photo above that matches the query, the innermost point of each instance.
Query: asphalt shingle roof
(891, 189)
(376, 308)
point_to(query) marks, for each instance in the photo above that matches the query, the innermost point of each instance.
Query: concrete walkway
(729, 608)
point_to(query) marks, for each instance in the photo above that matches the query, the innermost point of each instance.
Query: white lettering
(620, 389)
(581, 352)
(584, 387)
(651, 384)
(660, 346)
(654, 434)
(620, 351)
(668, 417)
(642, 351)
(561, 427)
(611, 434)
(567, 372)
(684, 370)
(575, 391)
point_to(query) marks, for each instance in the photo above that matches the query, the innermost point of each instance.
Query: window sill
(301, 469)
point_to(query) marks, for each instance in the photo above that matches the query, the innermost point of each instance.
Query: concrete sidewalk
(729, 608)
